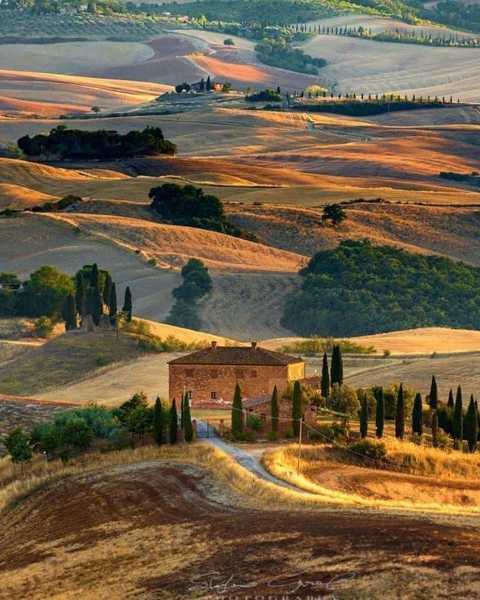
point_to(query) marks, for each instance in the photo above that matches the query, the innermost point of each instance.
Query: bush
(329, 433)
(43, 327)
(254, 422)
(369, 448)
(343, 399)
(272, 436)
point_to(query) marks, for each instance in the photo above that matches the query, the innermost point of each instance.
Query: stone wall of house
(214, 385)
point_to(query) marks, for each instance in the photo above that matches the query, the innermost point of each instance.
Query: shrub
(343, 399)
(272, 436)
(329, 433)
(43, 327)
(369, 448)
(254, 422)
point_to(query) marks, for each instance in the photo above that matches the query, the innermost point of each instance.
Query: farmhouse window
(189, 395)
(189, 373)
(253, 373)
(214, 374)
(213, 395)
(240, 373)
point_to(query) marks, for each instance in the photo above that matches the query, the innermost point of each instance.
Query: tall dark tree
(274, 409)
(70, 313)
(325, 382)
(471, 425)
(363, 415)
(457, 425)
(80, 294)
(95, 303)
(187, 421)
(400, 415)
(209, 84)
(173, 424)
(158, 422)
(128, 305)
(237, 412)
(451, 401)
(417, 416)
(112, 304)
(337, 366)
(379, 412)
(107, 289)
(433, 397)
(296, 407)
(95, 276)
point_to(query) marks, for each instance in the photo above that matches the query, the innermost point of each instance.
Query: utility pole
(299, 445)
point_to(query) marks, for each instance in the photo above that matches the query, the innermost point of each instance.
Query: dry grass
(330, 480)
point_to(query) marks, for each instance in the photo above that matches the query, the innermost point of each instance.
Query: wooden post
(299, 446)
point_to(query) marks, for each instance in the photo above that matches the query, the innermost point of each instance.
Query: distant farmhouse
(209, 376)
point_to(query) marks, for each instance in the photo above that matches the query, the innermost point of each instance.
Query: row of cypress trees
(334, 375)
(165, 423)
(95, 295)
(450, 417)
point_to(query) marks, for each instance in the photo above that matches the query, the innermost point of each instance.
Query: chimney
(254, 345)
(214, 345)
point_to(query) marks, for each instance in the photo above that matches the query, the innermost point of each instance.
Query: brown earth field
(52, 94)
(276, 157)
(160, 530)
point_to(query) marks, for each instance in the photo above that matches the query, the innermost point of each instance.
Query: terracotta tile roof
(236, 355)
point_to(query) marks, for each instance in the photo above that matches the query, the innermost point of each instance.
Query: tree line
(63, 143)
(76, 431)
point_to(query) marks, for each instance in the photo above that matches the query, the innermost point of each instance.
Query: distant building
(209, 376)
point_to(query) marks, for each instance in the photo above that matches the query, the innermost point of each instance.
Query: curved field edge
(248, 490)
(282, 464)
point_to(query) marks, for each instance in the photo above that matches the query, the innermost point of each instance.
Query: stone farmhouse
(209, 376)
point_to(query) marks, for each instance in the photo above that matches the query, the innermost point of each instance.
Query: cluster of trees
(450, 417)
(279, 53)
(353, 106)
(189, 205)
(64, 143)
(54, 295)
(196, 284)
(267, 95)
(95, 296)
(75, 431)
(359, 288)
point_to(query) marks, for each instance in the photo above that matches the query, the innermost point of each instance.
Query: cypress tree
(435, 429)
(95, 276)
(457, 425)
(70, 313)
(325, 383)
(107, 289)
(237, 412)
(209, 84)
(274, 409)
(337, 366)
(296, 407)
(363, 414)
(187, 421)
(471, 425)
(380, 413)
(451, 402)
(417, 415)
(433, 398)
(158, 422)
(173, 425)
(127, 304)
(95, 304)
(112, 304)
(400, 415)
(80, 294)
